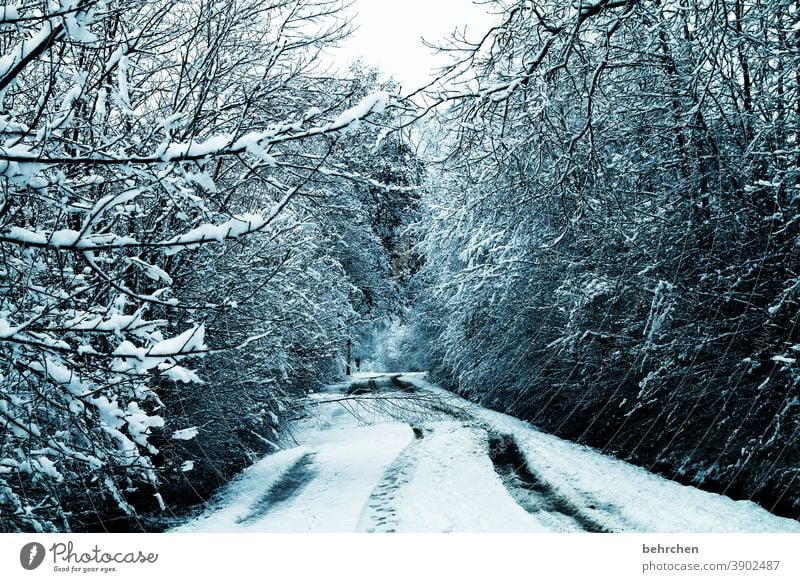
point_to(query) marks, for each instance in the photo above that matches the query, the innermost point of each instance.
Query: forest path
(394, 453)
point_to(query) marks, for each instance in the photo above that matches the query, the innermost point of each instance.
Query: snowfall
(394, 453)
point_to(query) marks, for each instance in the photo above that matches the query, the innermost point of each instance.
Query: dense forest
(590, 221)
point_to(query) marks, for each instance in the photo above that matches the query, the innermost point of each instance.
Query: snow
(185, 434)
(453, 478)
(23, 172)
(361, 467)
(60, 375)
(65, 238)
(116, 322)
(6, 329)
(190, 341)
(244, 492)
(9, 12)
(110, 413)
(179, 374)
(251, 143)
(120, 95)
(152, 271)
(171, 122)
(642, 501)
(233, 228)
(139, 424)
(47, 467)
(24, 235)
(203, 180)
(109, 201)
(346, 462)
(193, 149)
(132, 359)
(73, 94)
(77, 21)
(24, 49)
(160, 499)
(311, 113)
(374, 103)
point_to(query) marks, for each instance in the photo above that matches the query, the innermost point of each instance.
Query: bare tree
(612, 253)
(136, 135)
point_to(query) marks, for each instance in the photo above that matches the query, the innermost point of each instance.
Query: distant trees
(369, 221)
(161, 165)
(611, 246)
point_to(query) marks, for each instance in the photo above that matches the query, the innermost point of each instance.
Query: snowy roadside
(621, 495)
(392, 453)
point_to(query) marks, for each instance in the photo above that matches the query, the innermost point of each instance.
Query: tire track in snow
(357, 388)
(532, 493)
(527, 488)
(289, 486)
(402, 385)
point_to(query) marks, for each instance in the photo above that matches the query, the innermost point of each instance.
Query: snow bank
(633, 498)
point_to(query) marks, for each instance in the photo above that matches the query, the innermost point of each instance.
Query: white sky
(390, 31)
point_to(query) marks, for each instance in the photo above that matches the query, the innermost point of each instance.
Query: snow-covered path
(390, 453)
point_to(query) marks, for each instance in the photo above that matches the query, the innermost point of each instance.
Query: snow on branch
(220, 145)
(164, 355)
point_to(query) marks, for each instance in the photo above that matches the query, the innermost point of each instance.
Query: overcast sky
(390, 31)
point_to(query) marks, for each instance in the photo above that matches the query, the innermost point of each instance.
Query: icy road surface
(393, 453)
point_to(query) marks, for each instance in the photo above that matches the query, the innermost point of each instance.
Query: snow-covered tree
(140, 143)
(611, 245)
